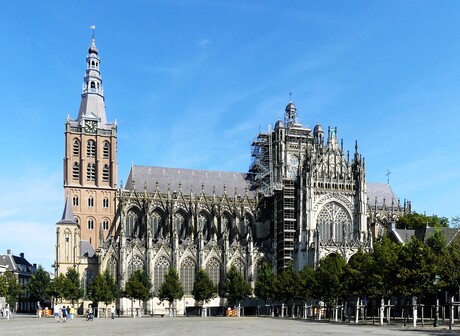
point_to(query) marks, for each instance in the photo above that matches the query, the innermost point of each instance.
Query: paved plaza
(197, 326)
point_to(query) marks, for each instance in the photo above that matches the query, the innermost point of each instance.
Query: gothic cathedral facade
(302, 199)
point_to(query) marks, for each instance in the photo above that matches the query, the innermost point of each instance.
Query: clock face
(91, 126)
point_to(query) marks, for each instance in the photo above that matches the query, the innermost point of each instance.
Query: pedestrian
(64, 314)
(72, 312)
(112, 310)
(56, 313)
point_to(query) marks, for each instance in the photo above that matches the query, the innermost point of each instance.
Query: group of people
(6, 312)
(62, 314)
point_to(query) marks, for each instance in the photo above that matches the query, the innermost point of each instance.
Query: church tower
(90, 164)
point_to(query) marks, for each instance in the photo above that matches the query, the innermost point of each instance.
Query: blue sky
(192, 82)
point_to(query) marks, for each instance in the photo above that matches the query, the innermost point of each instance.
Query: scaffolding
(262, 163)
(287, 225)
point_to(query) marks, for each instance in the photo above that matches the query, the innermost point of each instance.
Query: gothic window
(204, 225)
(90, 201)
(105, 202)
(157, 226)
(68, 245)
(106, 150)
(187, 275)
(75, 200)
(244, 226)
(76, 147)
(181, 226)
(105, 225)
(112, 267)
(213, 269)
(86, 280)
(334, 223)
(91, 172)
(132, 222)
(105, 173)
(239, 264)
(76, 171)
(159, 272)
(90, 224)
(91, 148)
(135, 264)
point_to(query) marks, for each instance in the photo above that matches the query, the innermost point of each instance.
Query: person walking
(112, 310)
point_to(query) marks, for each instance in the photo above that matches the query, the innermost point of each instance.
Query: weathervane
(93, 27)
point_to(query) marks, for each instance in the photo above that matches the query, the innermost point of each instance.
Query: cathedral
(302, 198)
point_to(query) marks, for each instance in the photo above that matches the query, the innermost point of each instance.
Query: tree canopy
(171, 288)
(235, 287)
(203, 288)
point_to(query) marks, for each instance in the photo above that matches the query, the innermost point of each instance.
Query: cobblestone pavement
(197, 326)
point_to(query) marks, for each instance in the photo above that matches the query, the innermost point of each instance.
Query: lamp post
(436, 309)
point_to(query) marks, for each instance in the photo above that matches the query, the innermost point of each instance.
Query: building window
(159, 271)
(112, 266)
(105, 173)
(135, 264)
(76, 147)
(76, 171)
(204, 226)
(90, 201)
(131, 224)
(157, 226)
(91, 148)
(91, 172)
(181, 226)
(239, 264)
(105, 202)
(213, 269)
(75, 200)
(334, 223)
(90, 224)
(68, 247)
(105, 225)
(187, 275)
(106, 150)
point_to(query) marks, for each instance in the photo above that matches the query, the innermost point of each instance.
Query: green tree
(356, 275)
(13, 289)
(265, 283)
(203, 288)
(58, 288)
(415, 220)
(38, 285)
(98, 289)
(235, 287)
(139, 286)
(288, 286)
(455, 221)
(449, 267)
(307, 283)
(73, 291)
(3, 286)
(329, 278)
(171, 289)
(114, 292)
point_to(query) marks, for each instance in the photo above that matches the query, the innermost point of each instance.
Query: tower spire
(92, 104)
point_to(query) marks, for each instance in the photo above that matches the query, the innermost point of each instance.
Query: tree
(57, 288)
(287, 286)
(455, 221)
(235, 287)
(329, 276)
(415, 220)
(114, 292)
(139, 286)
(13, 288)
(3, 286)
(203, 288)
(98, 289)
(73, 291)
(264, 287)
(171, 289)
(38, 285)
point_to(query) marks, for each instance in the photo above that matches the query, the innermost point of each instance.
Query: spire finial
(93, 27)
(290, 97)
(388, 176)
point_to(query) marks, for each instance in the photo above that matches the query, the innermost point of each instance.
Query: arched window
(90, 224)
(159, 271)
(112, 267)
(93, 85)
(68, 244)
(240, 266)
(132, 222)
(106, 150)
(213, 269)
(90, 201)
(86, 279)
(181, 226)
(76, 147)
(91, 148)
(157, 226)
(105, 225)
(105, 202)
(105, 173)
(334, 223)
(76, 171)
(204, 226)
(75, 200)
(91, 172)
(187, 275)
(135, 264)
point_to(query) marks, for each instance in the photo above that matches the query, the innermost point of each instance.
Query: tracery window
(187, 275)
(131, 223)
(76, 171)
(91, 148)
(213, 270)
(334, 223)
(204, 225)
(135, 264)
(228, 225)
(181, 226)
(76, 147)
(159, 272)
(157, 226)
(112, 267)
(91, 172)
(239, 264)
(106, 150)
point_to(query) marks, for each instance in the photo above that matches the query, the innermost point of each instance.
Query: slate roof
(382, 194)
(189, 180)
(67, 215)
(86, 249)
